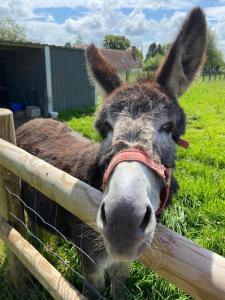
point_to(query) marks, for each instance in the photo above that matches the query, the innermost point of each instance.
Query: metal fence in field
(213, 76)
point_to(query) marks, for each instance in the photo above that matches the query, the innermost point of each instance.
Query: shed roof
(30, 45)
(21, 44)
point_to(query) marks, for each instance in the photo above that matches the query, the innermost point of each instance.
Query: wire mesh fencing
(53, 255)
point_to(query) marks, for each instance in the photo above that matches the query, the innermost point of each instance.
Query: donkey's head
(140, 124)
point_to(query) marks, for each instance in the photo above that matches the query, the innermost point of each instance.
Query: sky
(142, 21)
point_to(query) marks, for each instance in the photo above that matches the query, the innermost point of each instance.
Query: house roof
(120, 59)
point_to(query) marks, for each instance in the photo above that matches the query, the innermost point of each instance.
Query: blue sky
(142, 21)
(60, 14)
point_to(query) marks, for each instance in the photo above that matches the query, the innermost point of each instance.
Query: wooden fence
(196, 270)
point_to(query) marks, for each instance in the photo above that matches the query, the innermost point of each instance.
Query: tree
(214, 55)
(11, 31)
(155, 49)
(139, 54)
(160, 50)
(152, 50)
(117, 42)
(155, 55)
(166, 48)
(78, 40)
(68, 45)
(152, 63)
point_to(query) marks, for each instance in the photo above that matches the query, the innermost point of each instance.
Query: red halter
(183, 143)
(134, 154)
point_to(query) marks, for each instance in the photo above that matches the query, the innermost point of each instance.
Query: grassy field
(199, 207)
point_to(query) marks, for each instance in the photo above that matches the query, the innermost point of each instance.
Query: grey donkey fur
(143, 115)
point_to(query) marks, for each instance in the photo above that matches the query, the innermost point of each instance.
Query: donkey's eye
(168, 127)
(108, 126)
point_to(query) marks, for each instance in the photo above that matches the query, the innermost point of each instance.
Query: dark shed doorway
(51, 77)
(22, 75)
(4, 100)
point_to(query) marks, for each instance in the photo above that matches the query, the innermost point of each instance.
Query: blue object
(16, 106)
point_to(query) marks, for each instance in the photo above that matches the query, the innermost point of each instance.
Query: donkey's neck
(87, 168)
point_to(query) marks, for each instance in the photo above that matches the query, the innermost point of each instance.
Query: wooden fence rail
(198, 271)
(46, 274)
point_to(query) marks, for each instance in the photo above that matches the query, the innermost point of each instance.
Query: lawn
(199, 208)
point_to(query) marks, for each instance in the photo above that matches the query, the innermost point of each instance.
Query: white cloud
(95, 25)
(23, 9)
(105, 17)
(50, 18)
(47, 33)
(18, 9)
(216, 20)
(136, 23)
(215, 12)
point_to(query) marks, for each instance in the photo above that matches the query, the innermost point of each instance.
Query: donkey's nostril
(103, 216)
(146, 219)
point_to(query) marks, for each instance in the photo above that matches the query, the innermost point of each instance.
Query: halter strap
(134, 154)
(183, 143)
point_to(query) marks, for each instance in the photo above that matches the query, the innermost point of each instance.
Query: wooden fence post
(8, 202)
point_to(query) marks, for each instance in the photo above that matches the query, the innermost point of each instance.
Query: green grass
(82, 120)
(198, 211)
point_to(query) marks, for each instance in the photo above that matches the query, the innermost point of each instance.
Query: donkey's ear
(186, 54)
(103, 72)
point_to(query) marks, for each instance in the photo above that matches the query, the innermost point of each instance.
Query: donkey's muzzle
(126, 217)
(125, 228)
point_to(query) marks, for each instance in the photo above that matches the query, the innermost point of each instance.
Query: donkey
(140, 124)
